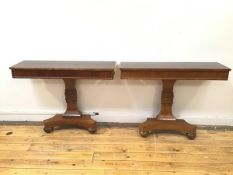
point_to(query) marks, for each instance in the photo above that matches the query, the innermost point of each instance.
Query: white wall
(121, 30)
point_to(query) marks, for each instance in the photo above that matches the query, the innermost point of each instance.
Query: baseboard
(120, 125)
(117, 117)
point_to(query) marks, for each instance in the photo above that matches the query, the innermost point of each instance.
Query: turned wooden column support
(72, 115)
(165, 121)
(71, 98)
(167, 101)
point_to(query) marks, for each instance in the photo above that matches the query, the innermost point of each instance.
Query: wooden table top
(65, 65)
(174, 70)
(173, 66)
(64, 69)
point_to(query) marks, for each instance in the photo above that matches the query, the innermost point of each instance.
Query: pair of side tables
(168, 72)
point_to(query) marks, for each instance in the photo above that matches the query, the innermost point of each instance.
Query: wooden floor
(27, 150)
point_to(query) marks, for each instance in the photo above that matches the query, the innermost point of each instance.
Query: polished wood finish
(167, 100)
(71, 98)
(64, 69)
(69, 71)
(72, 115)
(174, 66)
(174, 70)
(113, 151)
(169, 73)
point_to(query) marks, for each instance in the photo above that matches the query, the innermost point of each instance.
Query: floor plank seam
(155, 143)
(92, 159)
(118, 169)
(109, 169)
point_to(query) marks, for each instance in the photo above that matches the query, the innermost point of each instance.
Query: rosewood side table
(69, 71)
(169, 72)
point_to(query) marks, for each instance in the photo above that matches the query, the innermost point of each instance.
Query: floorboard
(26, 149)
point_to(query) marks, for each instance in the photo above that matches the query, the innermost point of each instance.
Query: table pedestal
(165, 121)
(72, 116)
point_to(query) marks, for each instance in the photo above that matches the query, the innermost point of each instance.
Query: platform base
(179, 126)
(58, 121)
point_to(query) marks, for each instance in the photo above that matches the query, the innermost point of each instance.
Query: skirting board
(215, 121)
(119, 125)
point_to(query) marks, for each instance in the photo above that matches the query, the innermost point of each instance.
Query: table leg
(72, 115)
(165, 121)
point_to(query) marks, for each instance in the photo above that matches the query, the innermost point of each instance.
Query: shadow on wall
(202, 101)
(49, 94)
(185, 93)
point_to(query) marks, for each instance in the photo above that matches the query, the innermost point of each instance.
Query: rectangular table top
(174, 70)
(64, 69)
